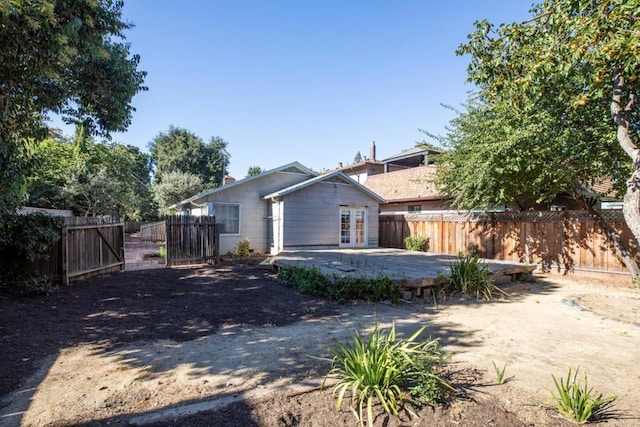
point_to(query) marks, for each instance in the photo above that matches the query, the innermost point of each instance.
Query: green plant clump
(416, 243)
(576, 400)
(387, 369)
(468, 275)
(500, 378)
(243, 248)
(342, 288)
(24, 240)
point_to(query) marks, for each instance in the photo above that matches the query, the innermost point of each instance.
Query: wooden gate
(192, 240)
(91, 246)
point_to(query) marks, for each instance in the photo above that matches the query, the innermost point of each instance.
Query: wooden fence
(192, 240)
(88, 246)
(560, 240)
(153, 232)
(132, 226)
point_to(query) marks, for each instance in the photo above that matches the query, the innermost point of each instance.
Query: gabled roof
(295, 167)
(406, 184)
(336, 176)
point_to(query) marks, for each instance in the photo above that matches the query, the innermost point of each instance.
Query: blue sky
(312, 81)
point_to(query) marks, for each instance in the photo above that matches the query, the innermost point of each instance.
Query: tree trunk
(614, 240)
(631, 201)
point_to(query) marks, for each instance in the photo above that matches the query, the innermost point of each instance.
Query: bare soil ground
(229, 345)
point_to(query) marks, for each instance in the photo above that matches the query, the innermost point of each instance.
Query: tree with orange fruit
(556, 108)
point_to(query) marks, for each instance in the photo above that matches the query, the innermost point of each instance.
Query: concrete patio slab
(412, 270)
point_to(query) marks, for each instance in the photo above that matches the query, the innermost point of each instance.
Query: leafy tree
(181, 150)
(91, 179)
(175, 187)
(357, 158)
(548, 88)
(60, 57)
(254, 170)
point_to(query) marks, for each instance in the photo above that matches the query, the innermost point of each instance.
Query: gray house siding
(313, 214)
(254, 211)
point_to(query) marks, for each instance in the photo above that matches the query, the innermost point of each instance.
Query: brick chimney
(372, 154)
(228, 180)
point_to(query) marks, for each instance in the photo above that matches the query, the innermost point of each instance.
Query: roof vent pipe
(372, 154)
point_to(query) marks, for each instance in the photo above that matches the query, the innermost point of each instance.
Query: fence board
(559, 240)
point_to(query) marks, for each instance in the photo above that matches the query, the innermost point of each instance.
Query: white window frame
(211, 212)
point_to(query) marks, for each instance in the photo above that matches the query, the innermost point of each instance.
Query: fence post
(166, 241)
(123, 267)
(65, 254)
(216, 232)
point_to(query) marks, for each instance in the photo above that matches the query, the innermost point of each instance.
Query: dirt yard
(229, 345)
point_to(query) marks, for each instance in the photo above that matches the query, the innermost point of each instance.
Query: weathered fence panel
(132, 226)
(558, 240)
(192, 240)
(153, 232)
(88, 246)
(91, 246)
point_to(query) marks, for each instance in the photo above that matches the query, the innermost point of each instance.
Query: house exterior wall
(254, 211)
(313, 215)
(361, 173)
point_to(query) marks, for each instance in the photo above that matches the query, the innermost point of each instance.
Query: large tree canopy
(547, 91)
(63, 57)
(91, 178)
(180, 150)
(175, 187)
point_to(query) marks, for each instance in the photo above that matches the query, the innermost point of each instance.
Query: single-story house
(290, 207)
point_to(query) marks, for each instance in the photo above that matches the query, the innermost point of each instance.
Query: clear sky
(303, 80)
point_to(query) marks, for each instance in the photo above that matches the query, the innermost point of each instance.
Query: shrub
(468, 275)
(39, 285)
(386, 368)
(417, 243)
(23, 240)
(306, 280)
(243, 248)
(312, 281)
(162, 252)
(575, 400)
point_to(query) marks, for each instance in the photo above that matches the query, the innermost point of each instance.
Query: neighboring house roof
(412, 157)
(411, 153)
(603, 188)
(336, 176)
(405, 185)
(289, 167)
(362, 164)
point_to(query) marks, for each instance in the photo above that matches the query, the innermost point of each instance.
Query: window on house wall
(227, 214)
(415, 208)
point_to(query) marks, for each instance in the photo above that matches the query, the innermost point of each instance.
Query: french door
(353, 227)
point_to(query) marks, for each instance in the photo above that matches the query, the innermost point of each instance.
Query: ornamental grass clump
(388, 369)
(468, 275)
(576, 400)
